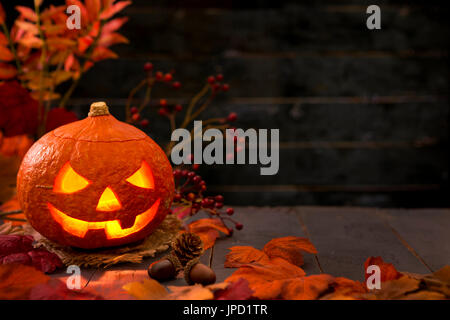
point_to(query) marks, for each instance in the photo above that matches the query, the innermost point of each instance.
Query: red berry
(218, 198)
(148, 66)
(191, 174)
(205, 203)
(216, 87)
(144, 122)
(230, 211)
(239, 226)
(163, 102)
(219, 205)
(176, 173)
(184, 173)
(191, 197)
(168, 77)
(195, 166)
(225, 87)
(159, 75)
(219, 77)
(136, 117)
(134, 110)
(162, 111)
(197, 179)
(232, 117)
(230, 232)
(203, 188)
(177, 197)
(176, 85)
(211, 79)
(178, 107)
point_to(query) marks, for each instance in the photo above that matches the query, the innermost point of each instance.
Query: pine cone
(187, 246)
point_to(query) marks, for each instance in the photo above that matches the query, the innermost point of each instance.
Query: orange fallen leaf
(289, 248)
(208, 230)
(17, 280)
(388, 271)
(261, 276)
(241, 255)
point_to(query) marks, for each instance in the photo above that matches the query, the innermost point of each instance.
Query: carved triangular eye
(68, 181)
(142, 178)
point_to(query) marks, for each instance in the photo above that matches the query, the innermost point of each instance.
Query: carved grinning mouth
(112, 228)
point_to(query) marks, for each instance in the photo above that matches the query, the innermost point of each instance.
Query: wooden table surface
(414, 240)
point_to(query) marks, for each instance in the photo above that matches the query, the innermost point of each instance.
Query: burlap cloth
(159, 241)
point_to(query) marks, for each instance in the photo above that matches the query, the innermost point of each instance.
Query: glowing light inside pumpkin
(143, 177)
(108, 201)
(68, 181)
(112, 228)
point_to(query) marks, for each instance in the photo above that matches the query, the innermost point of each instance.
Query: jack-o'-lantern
(97, 182)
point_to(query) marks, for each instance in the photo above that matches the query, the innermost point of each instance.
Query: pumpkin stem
(98, 109)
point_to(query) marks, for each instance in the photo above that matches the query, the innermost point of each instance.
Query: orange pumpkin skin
(104, 152)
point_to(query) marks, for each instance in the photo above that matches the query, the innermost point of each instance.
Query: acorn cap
(98, 109)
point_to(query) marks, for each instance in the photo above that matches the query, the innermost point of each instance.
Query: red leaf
(69, 62)
(115, 8)
(3, 40)
(208, 230)
(93, 9)
(5, 54)
(57, 117)
(111, 39)
(16, 281)
(289, 248)
(84, 43)
(388, 271)
(18, 110)
(95, 29)
(19, 249)
(2, 14)
(83, 10)
(241, 255)
(114, 25)
(27, 13)
(57, 290)
(101, 53)
(238, 290)
(7, 71)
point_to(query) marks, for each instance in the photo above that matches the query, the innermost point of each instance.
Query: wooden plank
(261, 224)
(269, 77)
(412, 196)
(346, 237)
(426, 231)
(290, 27)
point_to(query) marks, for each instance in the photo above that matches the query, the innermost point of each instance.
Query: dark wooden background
(363, 115)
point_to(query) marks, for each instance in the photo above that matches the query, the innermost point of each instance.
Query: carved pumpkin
(95, 183)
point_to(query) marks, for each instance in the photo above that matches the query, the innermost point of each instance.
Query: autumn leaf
(37, 3)
(111, 39)
(93, 9)
(242, 255)
(238, 290)
(114, 25)
(195, 292)
(115, 8)
(3, 40)
(2, 14)
(289, 248)
(28, 27)
(84, 43)
(208, 230)
(5, 54)
(27, 13)
(16, 281)
(7, 71)
(19, 249)
(102, 53)
(388, 271)
(148, 289)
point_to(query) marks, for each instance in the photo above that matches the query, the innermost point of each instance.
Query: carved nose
(108, 201)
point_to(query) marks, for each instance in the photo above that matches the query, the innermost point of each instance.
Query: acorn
(196, 272)
(165, 269)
